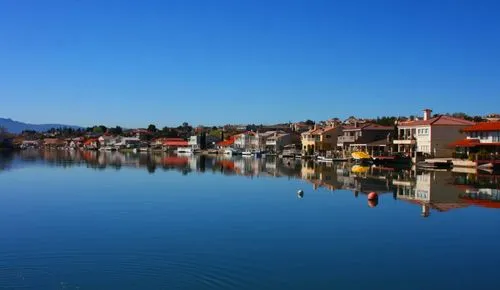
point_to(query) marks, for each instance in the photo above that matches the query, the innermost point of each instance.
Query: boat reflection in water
(440, 191)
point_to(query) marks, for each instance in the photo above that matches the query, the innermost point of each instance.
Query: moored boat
(184, 150)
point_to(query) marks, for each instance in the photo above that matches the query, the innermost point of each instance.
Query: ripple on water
(94, 269)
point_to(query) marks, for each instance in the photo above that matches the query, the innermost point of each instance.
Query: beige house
(430, 136)
(319, 140)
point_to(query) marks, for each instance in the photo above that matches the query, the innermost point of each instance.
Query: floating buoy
(372, 196)
(300, 193)
(373, 202)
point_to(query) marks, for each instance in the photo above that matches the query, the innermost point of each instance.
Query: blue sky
(215, 62)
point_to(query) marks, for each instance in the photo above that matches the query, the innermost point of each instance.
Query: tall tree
(152, 128)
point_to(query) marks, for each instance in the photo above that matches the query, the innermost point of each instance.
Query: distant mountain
(17, 127)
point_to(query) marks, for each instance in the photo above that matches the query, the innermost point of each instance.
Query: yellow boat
(359, 169)
(360, 155)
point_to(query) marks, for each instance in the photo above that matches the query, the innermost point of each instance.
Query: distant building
(53, 143)
(174, 143)
(493, 118)
(127, 142)
(300, 127)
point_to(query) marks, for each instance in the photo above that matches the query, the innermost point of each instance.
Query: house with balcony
(319, 140)
(202, 141)
(106, 140)
(277, 140)
(127, 143)
(245, 140)
(481, 143)
(368, 137)
(430, 136)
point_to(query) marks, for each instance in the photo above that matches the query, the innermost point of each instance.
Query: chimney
(315, 127)
(427, 114)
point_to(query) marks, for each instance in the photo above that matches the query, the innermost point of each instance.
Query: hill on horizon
(17, 127)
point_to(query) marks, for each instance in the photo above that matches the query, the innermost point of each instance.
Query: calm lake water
(89, 220)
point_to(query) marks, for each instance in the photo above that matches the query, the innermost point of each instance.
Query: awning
(465, 143)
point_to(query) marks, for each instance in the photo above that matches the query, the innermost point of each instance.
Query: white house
(105, 140)
(128, 142)
(430, 136)
(481, 138)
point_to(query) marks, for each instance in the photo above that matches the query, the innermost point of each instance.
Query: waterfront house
(367, 137)
(127, 142)
(106, 140)
(53, 143)
(76, 142)
(482, 142)
(202, 141)
(174, 143)
(277, 140)
(30, 144)
(226, 143)
(245, 140)
(319, 140)
(91, 144)
(430, 136)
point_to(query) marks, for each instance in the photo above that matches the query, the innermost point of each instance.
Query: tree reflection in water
(437, 190)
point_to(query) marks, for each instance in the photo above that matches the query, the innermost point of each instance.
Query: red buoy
(372, 196)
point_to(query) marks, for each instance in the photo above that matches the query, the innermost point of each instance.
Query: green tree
(116, 130)
(152, 128)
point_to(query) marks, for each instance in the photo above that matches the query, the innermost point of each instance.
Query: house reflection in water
(441, 191)
(430, 190)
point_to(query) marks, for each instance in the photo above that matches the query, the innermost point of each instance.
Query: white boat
(246, 153)
(324, 159)
(232, 151)
(184, 150)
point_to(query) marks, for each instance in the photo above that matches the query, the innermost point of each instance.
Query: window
(328, 136)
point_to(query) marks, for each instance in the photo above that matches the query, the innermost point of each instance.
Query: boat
(232, 151)
(359, 169)
(435, 165)
(184, 150)
(246, 153)
(324, 159)
(361, 157)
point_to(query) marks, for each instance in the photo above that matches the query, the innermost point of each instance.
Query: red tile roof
(319, 131)
(439, 120)
(227, 142)
(484, 126)
(465, 143)
(90, 141)
(368, 126)
(482, 202)
(178, 142)
(172, 160)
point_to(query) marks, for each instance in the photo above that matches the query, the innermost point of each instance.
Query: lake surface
(90, 220)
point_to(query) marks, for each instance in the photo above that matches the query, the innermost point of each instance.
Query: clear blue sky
(214, 62)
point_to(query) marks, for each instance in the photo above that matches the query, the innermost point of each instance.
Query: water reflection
(438, 190)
